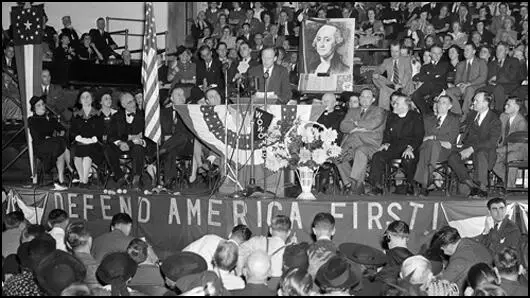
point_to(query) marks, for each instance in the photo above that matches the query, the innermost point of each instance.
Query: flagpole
(157, 173)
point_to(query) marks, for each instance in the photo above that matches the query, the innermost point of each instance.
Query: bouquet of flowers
(300, 144)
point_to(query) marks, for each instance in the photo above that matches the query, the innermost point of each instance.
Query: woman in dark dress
(87, 50)
(48, 148)
(455, 55)
(87, 131)
(105, 101)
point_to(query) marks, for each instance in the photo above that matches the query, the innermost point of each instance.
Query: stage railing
(128, 34)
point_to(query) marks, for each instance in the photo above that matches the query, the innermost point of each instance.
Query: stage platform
(170, 222)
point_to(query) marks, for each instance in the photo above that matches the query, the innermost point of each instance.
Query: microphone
(226, 65)
(266, 75)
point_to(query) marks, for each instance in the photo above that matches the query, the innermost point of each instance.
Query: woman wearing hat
(183, 70)
(48, 148)
(115, 271)
(87, 131)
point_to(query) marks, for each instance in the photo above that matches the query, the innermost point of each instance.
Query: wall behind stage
(85, 14)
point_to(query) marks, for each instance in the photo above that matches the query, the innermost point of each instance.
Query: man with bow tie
(177, 138)
(126, 135)
(441, 132)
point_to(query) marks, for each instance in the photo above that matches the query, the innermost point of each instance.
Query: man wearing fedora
(369, 261)
(338, 277)
(180, 265)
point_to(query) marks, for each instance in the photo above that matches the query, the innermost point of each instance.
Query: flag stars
(28, 25)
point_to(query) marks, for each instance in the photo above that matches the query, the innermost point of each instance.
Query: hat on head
(11, 265)
(182, 264)
(192, 281)
(338, 273)
(180, 50)
(33, 101)
(58, 271)
(363, 254)
(295, 256)
(31, 253)
(118, 265)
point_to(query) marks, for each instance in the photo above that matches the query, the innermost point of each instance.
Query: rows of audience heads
(63, 257)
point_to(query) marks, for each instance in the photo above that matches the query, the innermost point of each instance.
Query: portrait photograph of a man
(328, 51)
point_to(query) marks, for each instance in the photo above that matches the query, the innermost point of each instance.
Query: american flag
(150, 77)
(28, 31)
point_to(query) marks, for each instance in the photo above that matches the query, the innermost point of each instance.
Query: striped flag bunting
(150, 77)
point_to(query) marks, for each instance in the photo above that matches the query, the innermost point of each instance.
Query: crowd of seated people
(64, 257)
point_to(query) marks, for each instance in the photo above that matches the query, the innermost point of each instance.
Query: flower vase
(306, 177)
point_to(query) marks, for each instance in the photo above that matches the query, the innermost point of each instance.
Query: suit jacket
(120, 129)
(268, 41)
(410, 133)
(483, 137)
(373, 120)
(467, 254)
(447, 132)
(213, 76)
(278, 81)
(72, 34)
(507, 235)
(55, 99)
(102, 41)
(519, 123)
(173, 128)
(508, 75)
(434, 74)
(478, 72)
(336, 66)
(404, 71)
(290, 29)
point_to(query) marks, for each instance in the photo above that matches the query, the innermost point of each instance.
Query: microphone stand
(264, 149)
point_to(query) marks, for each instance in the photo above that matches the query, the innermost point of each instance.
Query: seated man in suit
(242, 66)
(277, 80)
(127, 135)
(363, 128)
(441, 131)
(178, 139)
(482, 132)
(434, 78)
(504, 76)
(402, 138)
(102, 39)
(55, 98)
(471, 74)
(512, 120)
(398, 75)
(273, 39)
(501, 232)
(522, 90)
(209, 69)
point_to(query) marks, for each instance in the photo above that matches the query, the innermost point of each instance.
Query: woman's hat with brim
(114, 266)
(182, 264)
(363, 254)
(58, 271)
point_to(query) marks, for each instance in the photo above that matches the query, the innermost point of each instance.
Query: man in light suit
(278, 76)
(363, 127)
(441, 131)
(55, 98)
(471, 74)
(393, 81)
(512, 120)
(482, 132)
(463, 253)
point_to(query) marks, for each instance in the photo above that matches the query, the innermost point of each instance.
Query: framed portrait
(327, 51)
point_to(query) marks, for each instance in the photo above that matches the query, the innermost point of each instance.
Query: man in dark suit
(433, 9)
(434, 79)
(127, 135)
(209, 69)
(102, 39)
(304, 13)
(503, 233)
(402, 138)
(55, 98)
(441, 131)
(398, 71)
(8, 60)
(178, 139)
(482, 132)
(278, 76)
(471, 74)
(504, 76)
(512, 120)
(463, 253)
(363, 127)
(326, 41)
(273, 39)
(237, 15)
(285, 27)
(69, 31)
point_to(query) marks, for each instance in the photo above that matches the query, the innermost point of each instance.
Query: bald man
(327, 40)
(257, 270)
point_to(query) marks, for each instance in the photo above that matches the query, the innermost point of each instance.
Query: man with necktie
(177, 138)
(272, 77)
(482, 132)
(471, 74)
(398, 71)
(55, 98)
(441, 132)
(363, 128)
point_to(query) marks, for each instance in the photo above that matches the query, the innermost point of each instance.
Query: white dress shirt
(481, 117)
(274, 249)
(230, 280)
(58, 234)
(205, 247)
